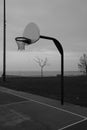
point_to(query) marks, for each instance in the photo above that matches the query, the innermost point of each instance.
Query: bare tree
(42, 63)
(83, 64)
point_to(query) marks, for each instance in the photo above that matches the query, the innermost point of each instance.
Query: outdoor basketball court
(21, 111)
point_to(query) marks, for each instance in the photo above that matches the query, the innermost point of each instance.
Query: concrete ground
(23, 111)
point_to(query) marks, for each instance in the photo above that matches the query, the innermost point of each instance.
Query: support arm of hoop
(57, 43)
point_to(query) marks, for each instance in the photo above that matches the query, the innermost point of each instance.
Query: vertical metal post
(62, 79)
(4, 41)
(60, 48)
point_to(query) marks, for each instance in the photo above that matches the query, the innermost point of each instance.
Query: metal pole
(62, 79)
(59, 47)
(4, 41)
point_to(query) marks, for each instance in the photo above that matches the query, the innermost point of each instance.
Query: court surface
(22, 111)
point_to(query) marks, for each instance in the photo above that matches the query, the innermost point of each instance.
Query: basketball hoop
(21, 42)
(31, 34)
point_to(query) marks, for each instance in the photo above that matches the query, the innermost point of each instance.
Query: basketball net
(21, 45)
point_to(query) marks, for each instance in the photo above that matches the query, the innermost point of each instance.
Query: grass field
(75, 87)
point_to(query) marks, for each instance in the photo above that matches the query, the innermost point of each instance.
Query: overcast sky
(66, 20)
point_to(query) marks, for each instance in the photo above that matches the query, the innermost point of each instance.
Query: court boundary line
(57, 108)
(14, 103)
(73, 124)
(45, 104)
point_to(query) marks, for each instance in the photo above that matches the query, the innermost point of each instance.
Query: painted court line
(20, 115)
(60, 109)
(45, 104)
(78, 122)
(14, 103)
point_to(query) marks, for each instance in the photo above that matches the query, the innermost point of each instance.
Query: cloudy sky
(66, 20)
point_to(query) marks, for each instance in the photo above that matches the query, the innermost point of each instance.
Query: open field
(75, 87)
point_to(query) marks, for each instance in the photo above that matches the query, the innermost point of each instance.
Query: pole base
(4, 77)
